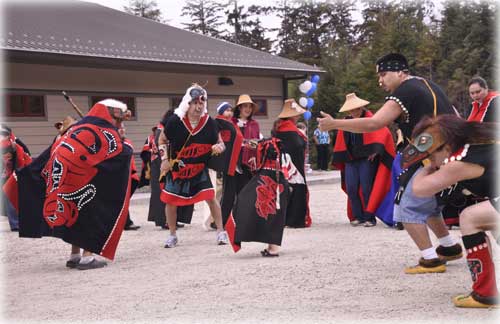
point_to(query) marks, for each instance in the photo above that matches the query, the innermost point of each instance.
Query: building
(93, 52)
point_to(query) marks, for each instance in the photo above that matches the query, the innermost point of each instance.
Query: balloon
(311, 90)
(307, 115)
(310, 102)
(305, 86)
(315, 78)
(303, 101)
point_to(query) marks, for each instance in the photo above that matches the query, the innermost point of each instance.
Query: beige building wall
(153, 92)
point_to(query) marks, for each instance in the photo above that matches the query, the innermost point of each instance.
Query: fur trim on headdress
(183, 107)
(114, 104)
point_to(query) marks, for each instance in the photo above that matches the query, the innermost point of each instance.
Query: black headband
(392, 66)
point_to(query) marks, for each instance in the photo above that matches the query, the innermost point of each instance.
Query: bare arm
(162, 148)
(389, 112)
(428, 182)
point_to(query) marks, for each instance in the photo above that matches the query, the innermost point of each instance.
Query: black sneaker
(72, 263)
(399, 226)
(449, 253)
(94, 264)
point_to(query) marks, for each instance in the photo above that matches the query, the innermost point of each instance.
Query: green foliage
(448, 49)
(205, 16)
(144, 8)
(247, 28)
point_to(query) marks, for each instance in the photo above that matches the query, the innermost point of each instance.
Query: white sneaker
(222, 238)
(171, 241)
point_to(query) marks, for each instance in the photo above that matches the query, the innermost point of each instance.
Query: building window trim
(263, 108)
(24, 116)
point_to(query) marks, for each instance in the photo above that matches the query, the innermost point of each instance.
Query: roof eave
(65, 59)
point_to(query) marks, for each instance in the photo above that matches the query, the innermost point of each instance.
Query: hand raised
(326, 122)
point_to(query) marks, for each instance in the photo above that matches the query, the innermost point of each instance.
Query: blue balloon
(307, 115)
(310, 102)
(311, 91)
(315, 78)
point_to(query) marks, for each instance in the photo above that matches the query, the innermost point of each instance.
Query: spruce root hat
(291, 109)
(353, 102)
(244, 98)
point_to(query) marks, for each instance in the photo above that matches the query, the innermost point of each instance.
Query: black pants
(133, 187)
(322, 150)
(231, 186)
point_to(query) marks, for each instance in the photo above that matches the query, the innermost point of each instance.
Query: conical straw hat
(244, 98)
(353, 102)
(291, 109)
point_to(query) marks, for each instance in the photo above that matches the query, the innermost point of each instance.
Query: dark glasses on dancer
(197, 95)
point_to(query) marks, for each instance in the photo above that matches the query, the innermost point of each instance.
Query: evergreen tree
(248, 30)
(144, 8)
(466, 46)
(205, 16)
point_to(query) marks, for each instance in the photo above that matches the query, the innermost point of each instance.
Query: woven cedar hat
(244, 98)
(291, 109)
(353, 102)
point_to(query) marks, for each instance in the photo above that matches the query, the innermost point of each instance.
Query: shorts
(415, 210)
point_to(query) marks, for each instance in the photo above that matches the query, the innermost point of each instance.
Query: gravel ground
(329, 272)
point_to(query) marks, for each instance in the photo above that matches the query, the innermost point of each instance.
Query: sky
(172, 9)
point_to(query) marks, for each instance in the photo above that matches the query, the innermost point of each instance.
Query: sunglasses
(197, 94)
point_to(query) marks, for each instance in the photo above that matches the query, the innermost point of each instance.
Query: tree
(144, 8)
(467, 48)
(205, 16)
(247, 28)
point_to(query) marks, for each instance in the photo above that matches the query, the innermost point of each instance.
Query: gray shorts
(415, 210)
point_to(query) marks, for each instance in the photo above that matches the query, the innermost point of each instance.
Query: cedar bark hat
(353, 102)
(244, 98)
(291, 109)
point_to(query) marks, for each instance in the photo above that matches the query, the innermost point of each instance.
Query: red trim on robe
(238, 141)
(231, 232)
(381, 185)
(109, 248)
(478, 112)
(175, 200)
(199, 127)
(287, 125)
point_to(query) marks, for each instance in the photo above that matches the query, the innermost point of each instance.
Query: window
(129, 101)
(262, 104)
(25, 105)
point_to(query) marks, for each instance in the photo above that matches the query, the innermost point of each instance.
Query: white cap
(114, 104)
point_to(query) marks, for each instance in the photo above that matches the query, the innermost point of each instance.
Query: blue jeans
(11, 213)
(360, 173)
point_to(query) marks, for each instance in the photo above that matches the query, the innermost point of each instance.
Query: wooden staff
(68, 98)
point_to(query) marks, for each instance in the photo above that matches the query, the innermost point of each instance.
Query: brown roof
(91, 30)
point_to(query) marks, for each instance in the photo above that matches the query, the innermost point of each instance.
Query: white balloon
(305, 86)
(303, 101)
